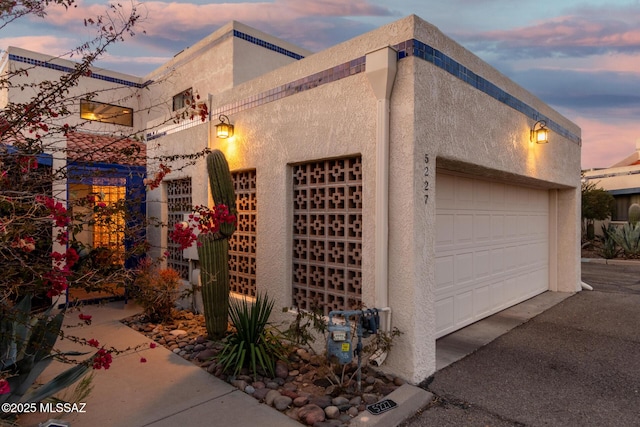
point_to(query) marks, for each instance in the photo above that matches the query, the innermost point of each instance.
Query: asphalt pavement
(576, 364)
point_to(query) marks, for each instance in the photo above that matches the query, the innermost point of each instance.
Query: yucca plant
(26, 349)
(254, 342)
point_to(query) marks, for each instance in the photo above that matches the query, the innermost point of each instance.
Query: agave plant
(26, 344)
(628, 238)
(254, 343)
(609, 248)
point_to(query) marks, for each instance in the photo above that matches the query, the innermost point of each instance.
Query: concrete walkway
(166, 390)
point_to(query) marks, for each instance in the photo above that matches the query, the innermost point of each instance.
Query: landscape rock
(271, 397)
(281, 403)
(311, 414)
(332, 412)
(282, 370)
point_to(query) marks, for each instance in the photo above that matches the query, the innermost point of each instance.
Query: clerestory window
(106, 113)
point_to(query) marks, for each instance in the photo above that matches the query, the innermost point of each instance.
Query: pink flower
(72, 257)
(152, 345)
(4, 387)
(93, 343)
(102, 359)
(143, 360)
(85, 317)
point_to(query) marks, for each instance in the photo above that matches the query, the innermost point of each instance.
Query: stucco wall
(211, 66)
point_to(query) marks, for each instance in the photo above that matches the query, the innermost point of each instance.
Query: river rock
(311, 414)
(271, 396)
(332, 412)
(281, 403)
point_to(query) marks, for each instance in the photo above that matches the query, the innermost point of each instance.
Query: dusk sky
(580, 56)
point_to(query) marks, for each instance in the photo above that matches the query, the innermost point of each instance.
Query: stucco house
(395, 170)
(622, 181)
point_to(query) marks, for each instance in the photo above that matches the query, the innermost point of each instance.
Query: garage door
(492, 248)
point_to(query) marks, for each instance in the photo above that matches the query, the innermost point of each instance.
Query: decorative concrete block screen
(178, 204)
(327, 235)
(242, 245)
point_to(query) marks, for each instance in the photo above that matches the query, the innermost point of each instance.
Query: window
(327, 235)
(182, 99)
(106, 113)
(108, 227)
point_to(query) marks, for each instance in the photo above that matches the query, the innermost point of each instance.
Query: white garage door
(492, 248)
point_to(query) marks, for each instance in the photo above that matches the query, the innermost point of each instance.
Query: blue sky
(581, 57)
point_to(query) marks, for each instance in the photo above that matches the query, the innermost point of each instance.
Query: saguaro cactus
(213, 249)
(634, 213)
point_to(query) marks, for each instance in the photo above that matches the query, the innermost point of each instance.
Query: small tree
(597, 204)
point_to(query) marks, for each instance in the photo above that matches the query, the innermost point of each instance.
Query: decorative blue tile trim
(329, 75)
(266, 45)
(423, 51)
(64, 69)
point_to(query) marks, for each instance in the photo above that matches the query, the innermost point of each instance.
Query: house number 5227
(426, 179)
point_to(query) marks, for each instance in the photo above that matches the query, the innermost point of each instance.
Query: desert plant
(156, 291)
(609, 248)
(26, 344)
(213, 248)
(628, 238)
(254, 343)
(634, 213)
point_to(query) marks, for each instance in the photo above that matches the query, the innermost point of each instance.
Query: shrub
(306, 327)
(156, 291)
(253, 344)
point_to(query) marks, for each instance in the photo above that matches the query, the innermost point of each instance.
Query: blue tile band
(266, 45)
(423, 51)
(64, 69)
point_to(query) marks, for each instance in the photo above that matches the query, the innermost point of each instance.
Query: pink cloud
(334, 8)
(586, 31)
(605, 143)
(163, 18)
(44, 44)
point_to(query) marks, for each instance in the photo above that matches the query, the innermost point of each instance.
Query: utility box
(339, 340)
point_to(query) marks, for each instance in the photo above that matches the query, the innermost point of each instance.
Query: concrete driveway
(576, 364)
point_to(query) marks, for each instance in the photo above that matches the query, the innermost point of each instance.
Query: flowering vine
(203, 220)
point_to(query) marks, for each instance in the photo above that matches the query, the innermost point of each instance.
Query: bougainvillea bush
(39, 253)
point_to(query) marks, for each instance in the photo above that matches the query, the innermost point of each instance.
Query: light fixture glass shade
(224, 129)
(540, 133)
(542, 136)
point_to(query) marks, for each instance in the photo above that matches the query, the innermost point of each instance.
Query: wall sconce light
(224, 129)
(539, 132)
